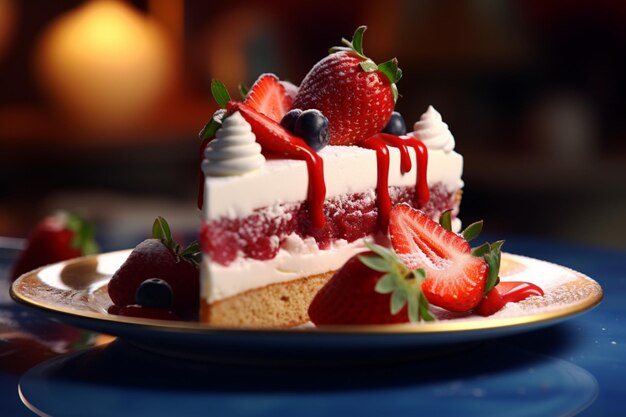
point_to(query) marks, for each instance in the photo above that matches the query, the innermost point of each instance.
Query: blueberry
(312, 126)
(154, 293)
(289, 119)
(395, 125)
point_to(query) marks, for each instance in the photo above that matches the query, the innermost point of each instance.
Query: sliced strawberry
(268, 96)
(455, 279)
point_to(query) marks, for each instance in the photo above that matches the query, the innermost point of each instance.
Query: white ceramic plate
(74, 292)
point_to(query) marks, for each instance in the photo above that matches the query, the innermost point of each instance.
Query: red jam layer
(349, 217)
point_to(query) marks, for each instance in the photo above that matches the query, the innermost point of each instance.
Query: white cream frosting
(347, 169)
(297, 258)
(234, 151)
(432, 130)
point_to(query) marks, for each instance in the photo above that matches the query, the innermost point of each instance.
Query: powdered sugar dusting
(563, 288)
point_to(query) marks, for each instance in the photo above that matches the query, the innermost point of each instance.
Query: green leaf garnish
(357, 40)
(220, 93)
(481, 250)
(210, 129)
(375, 263)
(398, 300)
(404, 285)
(368, 66)
(83, 238)
(161, 230)
(193, 253)
(386, 284)
(391, 70)
(472, 231)
(445, 220)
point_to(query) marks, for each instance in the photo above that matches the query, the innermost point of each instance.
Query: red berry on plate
(268, 96)
(371, 288)
(56, 238)
(356, 95)
(159, 257)
(455, 279)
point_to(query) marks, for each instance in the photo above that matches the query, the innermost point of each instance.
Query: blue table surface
(574, 368)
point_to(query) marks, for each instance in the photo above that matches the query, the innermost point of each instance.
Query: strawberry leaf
(424, 313)
(473, 230)
(220, 93)
(391, 70)
(375, 263)
(398, 300)
(419, 274)
(192, 253)
(209, 130)
(368, 65)
(492, 255)
(357, 40)
(394, 92)
(413, 310)
(405, 286)
(161, 230)
(445, 220)
(481, 250)
(386, 284)
(383, 252)
(83, 234)
(243, 91)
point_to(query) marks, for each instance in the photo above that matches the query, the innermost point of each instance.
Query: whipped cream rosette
(432, 130)
(234, 151)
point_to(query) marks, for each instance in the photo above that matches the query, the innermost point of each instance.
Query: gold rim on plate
(76, 289)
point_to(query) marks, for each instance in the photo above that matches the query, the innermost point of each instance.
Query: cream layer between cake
(347, 170)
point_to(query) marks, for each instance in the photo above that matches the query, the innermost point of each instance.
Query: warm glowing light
(7, 24)
(106, 63)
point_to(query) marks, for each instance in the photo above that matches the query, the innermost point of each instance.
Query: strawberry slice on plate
(268, 96)
(455, 279)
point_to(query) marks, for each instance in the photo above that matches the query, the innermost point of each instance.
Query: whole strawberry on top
(56, 238)
(160, 257)
(354, 93)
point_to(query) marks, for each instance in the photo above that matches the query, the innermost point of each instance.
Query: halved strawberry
(268, 96)
(455, 279)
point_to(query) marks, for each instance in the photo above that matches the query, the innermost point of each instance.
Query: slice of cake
(282, 211)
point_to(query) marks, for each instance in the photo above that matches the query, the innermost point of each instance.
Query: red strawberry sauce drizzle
(273, 138)
(379, 144)
(506, 292)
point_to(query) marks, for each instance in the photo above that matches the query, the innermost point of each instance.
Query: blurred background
(101, 102)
